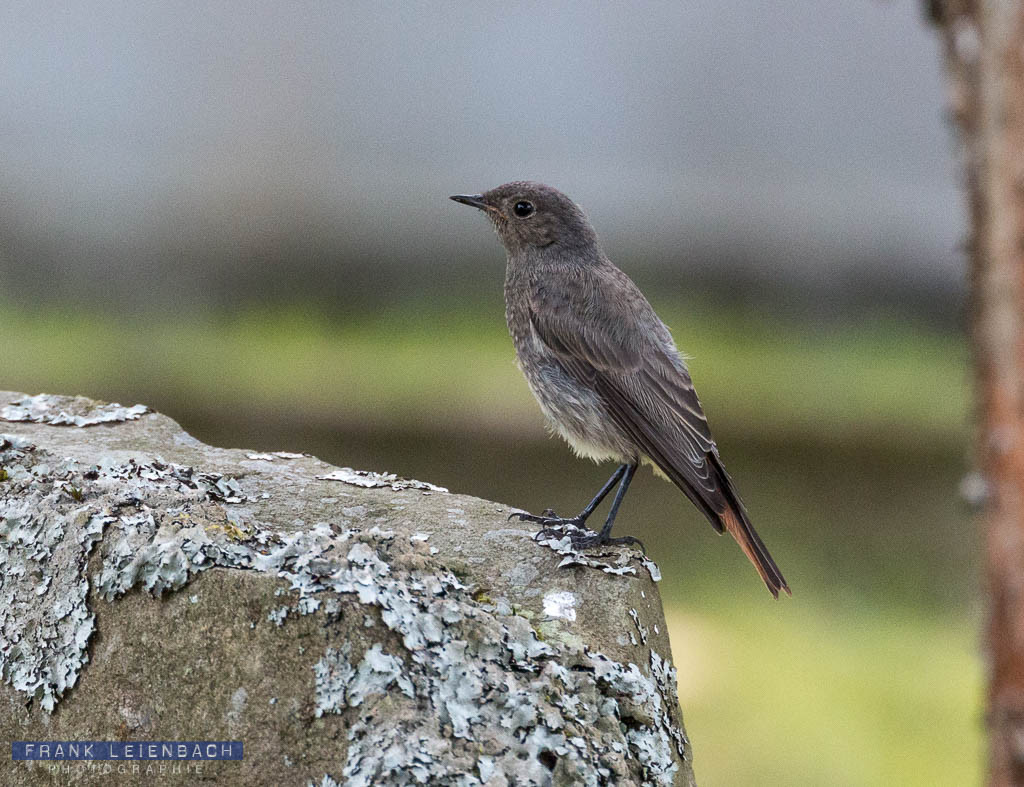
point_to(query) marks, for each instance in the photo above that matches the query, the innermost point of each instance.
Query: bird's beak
(474, 200)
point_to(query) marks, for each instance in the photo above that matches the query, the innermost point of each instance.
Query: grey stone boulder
(348, 627)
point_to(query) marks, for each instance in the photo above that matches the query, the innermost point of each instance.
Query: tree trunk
(984, 54)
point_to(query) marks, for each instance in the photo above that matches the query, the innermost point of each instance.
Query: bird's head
(531, 215)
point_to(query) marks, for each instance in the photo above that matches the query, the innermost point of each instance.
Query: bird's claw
(558, 527)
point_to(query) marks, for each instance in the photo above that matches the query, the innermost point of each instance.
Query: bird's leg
(602, 494)
(581, 538)
(587, 540)
(551, 519)
(605, 536)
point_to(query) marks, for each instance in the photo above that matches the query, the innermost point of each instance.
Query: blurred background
(237, 214)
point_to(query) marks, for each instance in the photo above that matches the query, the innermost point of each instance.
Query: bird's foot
(580, 537)
(575, 528)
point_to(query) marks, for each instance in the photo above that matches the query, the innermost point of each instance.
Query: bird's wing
(622, 351)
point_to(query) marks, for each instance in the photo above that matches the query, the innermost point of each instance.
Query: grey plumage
(602, 365)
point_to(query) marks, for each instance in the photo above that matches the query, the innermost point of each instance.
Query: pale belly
(574, 413)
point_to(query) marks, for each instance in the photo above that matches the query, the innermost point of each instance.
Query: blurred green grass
(846, 440)
(810, 695)
(417, 365)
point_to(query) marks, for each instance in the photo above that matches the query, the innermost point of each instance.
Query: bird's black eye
(523, 209)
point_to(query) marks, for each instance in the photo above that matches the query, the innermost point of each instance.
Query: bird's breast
(573, 410)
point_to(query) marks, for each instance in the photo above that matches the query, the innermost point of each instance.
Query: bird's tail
(736, 522)
(724, 510)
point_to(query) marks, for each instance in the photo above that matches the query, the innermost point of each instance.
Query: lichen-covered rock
(349, 627)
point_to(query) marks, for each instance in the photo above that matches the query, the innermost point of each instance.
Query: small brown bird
(604, 368)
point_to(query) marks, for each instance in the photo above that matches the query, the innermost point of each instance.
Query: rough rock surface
(349, 627)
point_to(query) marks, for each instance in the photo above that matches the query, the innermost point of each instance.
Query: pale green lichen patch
(370, 480)
(339, 685)
(491, 683)
(622, 563)
(45, 622)
(68, 411)
(46, 537)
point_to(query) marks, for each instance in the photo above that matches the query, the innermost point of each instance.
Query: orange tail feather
(739, 528)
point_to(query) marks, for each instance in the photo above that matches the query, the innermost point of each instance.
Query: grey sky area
(168, 150)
